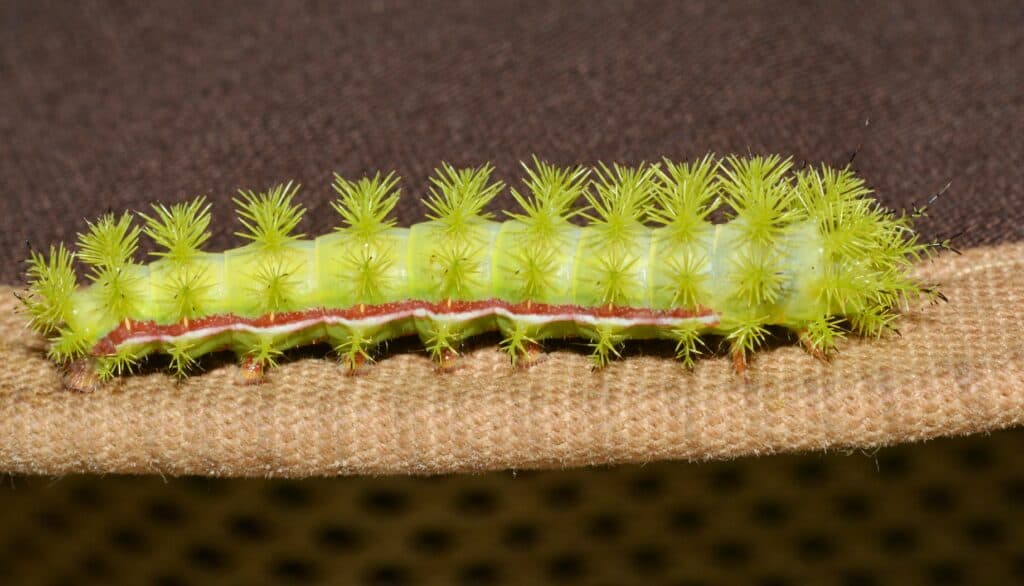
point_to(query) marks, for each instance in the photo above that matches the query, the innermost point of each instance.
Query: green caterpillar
(805, 249)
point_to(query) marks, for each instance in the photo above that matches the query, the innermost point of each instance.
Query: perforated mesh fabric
(944, 512)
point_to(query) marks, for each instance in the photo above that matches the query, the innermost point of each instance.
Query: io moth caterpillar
(805, 249)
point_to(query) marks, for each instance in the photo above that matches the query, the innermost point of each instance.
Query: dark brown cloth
(111, 106)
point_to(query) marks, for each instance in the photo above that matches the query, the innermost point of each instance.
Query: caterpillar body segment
(807, 250)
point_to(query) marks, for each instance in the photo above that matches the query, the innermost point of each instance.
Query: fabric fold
(954, 369)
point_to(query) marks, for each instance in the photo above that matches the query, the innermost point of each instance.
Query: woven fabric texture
(956, 368)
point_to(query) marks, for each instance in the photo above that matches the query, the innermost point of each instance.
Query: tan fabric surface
(956, 369)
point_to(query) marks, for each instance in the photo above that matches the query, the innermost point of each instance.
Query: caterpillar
(607, 254)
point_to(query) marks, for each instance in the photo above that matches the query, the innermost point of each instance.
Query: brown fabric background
(109, 106)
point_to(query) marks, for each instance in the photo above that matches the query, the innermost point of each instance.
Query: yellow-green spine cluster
(809, 250)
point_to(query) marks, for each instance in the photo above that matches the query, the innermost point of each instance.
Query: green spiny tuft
(365, 271)
(869, 249)
(873, 321)
(844, 286)
(182, 360)
(757, 277)
(835, 201)
(537, 270)
(109, 244)
(458, 270)
(688, 342)
(687, 278)
(180, 229)
(823, 333)
(265, 353)
(761, 196)
(517, 344)
(108, 247)
(606, 346)
(123, 362)
(442, 342)
(51, 283)
(186, 293)
(621, 203)
(270, 217)
(617, 281)
(684, 195)
(549, 205)
(355, 351)
(458, 196)
(746, 335)
(275, 285)
(68, 345)
(365, 205)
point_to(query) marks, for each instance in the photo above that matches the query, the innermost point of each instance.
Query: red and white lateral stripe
(144, 332)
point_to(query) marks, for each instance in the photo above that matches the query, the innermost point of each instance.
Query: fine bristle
(270, 217)
(365, 205)
(548, 206)
(180, 229)
(458, 196)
